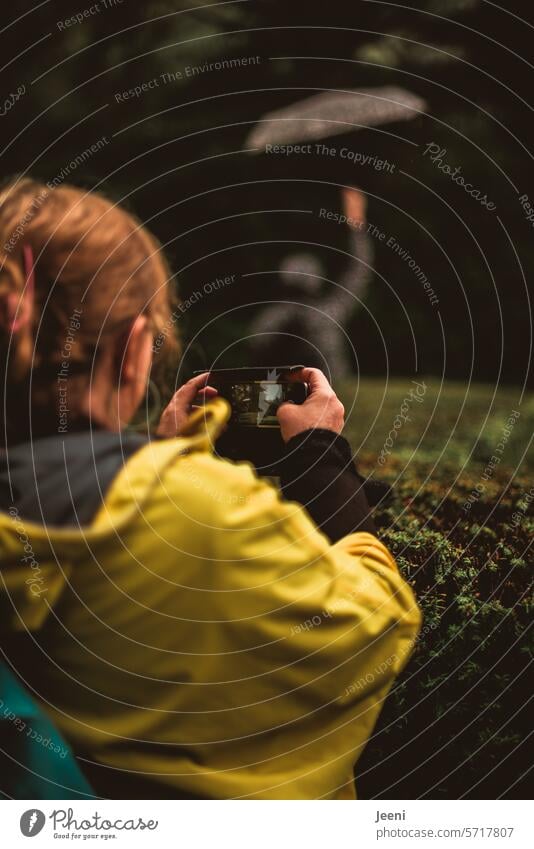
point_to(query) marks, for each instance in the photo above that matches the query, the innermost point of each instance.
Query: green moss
(454, 723)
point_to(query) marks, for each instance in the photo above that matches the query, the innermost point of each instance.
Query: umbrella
(332, 113)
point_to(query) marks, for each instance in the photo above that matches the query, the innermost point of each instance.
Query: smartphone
(255, 393)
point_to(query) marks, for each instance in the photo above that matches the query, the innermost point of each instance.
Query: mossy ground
(456, 722)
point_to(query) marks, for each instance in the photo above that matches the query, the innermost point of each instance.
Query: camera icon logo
(32, 822)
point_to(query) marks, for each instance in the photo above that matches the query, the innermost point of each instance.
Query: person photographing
(190, 629)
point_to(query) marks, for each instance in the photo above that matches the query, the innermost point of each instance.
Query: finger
(316, 380)
(204, 395)
(189, 390)
(208, 392)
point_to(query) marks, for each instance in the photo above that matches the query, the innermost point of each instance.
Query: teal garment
(35, 761)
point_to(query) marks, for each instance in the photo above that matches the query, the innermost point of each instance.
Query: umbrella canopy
(332, 113)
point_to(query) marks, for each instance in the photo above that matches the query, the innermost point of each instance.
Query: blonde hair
(92, 260)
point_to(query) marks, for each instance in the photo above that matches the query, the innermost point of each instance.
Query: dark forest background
(174, 155)
(457, 722)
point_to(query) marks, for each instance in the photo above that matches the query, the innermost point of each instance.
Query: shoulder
(213, 480)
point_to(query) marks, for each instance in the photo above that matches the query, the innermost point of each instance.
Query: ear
(16, 309)
(134, 353)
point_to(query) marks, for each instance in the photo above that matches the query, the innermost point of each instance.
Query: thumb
(286, 412)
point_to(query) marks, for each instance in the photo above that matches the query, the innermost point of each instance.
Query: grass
(461, 525)
(453, 422)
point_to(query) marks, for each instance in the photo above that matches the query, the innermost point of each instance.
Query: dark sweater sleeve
(318, 471)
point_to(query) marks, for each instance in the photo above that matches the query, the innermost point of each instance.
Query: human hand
(355, 207)
(180, 407)
(321, 409)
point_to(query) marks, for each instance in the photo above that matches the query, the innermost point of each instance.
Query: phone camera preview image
(254, 404)
(254, 395)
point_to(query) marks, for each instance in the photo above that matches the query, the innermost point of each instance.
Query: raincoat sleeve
(347, 599)
(313, 634)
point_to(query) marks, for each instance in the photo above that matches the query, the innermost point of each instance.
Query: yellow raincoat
(203, 632)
